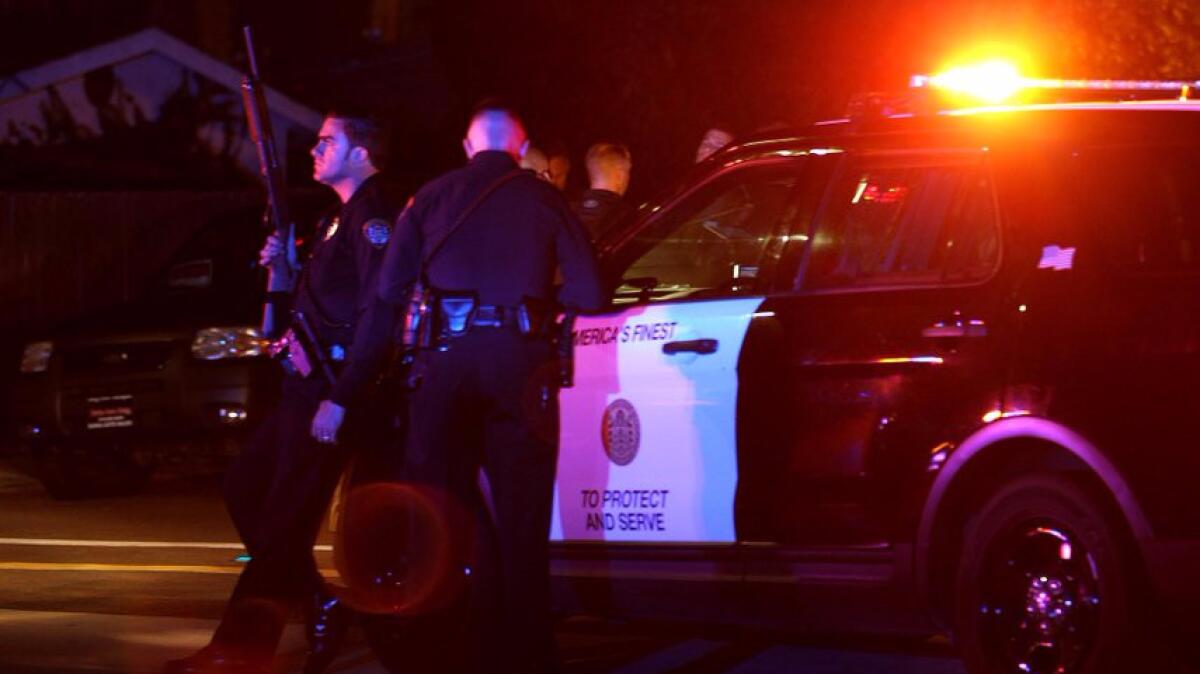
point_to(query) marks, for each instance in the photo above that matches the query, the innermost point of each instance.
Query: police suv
(905, 373)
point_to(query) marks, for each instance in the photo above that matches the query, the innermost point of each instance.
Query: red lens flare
(401, 549)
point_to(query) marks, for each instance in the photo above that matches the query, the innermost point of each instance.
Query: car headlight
(233, 342)
(36, 357)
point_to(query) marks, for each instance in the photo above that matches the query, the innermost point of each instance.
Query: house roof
(148, 42)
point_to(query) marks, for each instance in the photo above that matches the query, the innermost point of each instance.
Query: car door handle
(700, 346)
(955, 329)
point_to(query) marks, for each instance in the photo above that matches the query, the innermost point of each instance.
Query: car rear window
(906, 220)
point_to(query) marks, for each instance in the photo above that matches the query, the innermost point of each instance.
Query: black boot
(328, 621)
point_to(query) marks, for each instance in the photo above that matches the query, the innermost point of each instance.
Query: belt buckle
(458, 313)
(489, 316)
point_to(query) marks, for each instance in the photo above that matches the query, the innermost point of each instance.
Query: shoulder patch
(377, 231)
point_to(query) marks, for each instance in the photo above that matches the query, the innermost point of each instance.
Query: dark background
(86, 223)
(651, 73)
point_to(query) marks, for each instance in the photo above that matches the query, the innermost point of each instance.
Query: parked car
(180, 375)
(904, 373)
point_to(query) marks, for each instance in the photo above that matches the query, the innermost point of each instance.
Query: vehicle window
(892, 223)
(1138, 199)
(220, 256)
(713, 241)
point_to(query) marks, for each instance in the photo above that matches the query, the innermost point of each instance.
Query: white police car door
(648, 447)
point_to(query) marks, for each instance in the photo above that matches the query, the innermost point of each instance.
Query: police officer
(603, 205)
(714, 140)
(279, 487)
(489, 399)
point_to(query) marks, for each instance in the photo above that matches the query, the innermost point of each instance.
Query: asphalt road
(122, 584)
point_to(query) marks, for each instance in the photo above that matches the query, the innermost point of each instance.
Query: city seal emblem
(621, 432)
(377, 232)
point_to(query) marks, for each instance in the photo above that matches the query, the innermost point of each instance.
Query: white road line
(134, 568)
(73, 543)
(118, 568)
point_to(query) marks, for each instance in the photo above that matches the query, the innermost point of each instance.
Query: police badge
(332, 228)
(377, 232)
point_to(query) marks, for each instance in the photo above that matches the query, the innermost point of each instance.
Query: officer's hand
(274, 247)
(327, 421)
(270, 250)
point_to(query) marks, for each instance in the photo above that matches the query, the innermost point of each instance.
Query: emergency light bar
(996, 81)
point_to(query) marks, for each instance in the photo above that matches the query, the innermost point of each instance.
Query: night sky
(651, 73)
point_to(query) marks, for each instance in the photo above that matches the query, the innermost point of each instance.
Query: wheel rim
(1039, 600)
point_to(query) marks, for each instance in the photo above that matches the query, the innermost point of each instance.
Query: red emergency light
(997, 81)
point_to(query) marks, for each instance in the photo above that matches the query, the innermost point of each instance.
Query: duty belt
(456, 314)
(495, 316)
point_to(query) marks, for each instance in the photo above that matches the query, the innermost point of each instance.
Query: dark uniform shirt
(599, 210)
(508, 249)
(338, 282)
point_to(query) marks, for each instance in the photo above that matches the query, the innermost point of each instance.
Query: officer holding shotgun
(280, 486)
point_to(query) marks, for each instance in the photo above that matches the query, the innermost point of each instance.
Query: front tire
(1045, 584)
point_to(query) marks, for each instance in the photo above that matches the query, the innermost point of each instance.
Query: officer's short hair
(367, 131)
(606, 154)
(497, 105)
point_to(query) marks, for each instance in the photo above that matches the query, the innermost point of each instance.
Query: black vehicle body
(1030, 313)
(123, 392)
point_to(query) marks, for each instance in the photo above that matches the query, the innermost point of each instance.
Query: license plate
(115, 411)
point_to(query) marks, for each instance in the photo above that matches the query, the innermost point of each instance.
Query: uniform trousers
(277, 492)
(490, 402)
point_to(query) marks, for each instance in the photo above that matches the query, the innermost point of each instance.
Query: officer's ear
(360, 155)
(524, 148)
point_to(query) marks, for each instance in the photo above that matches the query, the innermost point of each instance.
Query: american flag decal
(1056, 258)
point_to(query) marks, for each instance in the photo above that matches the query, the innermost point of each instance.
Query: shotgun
(258, 122)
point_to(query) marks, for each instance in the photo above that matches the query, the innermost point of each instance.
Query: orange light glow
(909, 360)
(991, 81)
(996, 415)
(998, 80)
